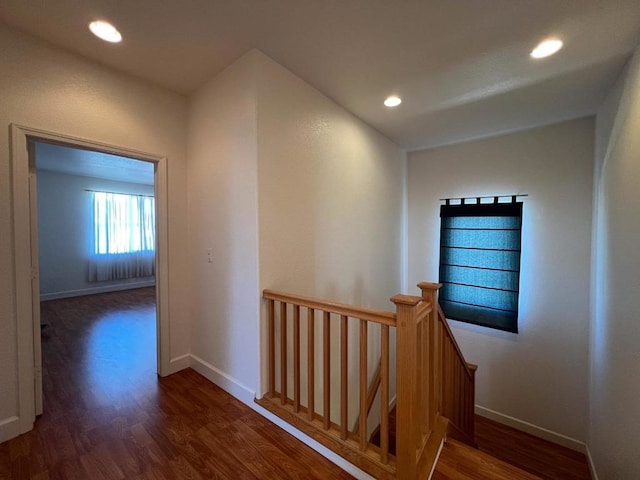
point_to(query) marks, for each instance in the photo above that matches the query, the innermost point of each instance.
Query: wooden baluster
(326, 370)
(472, 394)
(463, 401)
(463, 396)
(420, 372)
(450, 398)
(457, 395)
(453, 380)
(425, 375)
(451, 376)
(384, 395)
(455, 399)
(344, 378)
(434, 368)
(419, 393)
(445, 377)
(362, 429)
(434, 345)
(469, 407)
(283, 353)
(406, 380)
(442, 369)
(448, 378)
(272, 347)
(311, 372)
(296, 358)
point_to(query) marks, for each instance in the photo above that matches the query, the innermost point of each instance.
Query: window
(480, 262)
(123, 223)
(124, 236)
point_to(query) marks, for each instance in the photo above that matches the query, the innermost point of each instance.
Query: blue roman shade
(480, 263)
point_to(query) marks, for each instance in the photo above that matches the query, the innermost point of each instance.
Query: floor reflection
(100, 349)
(121, 353)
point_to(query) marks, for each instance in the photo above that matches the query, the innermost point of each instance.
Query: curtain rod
(119, 193)
(495, 198)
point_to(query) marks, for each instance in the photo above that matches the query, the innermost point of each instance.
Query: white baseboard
(247, 396)
(93, 290)
(179, 363)
(592, 466)
(318, 447)
(435, 463)
(532, 429)
(223, 380)
(10, 428)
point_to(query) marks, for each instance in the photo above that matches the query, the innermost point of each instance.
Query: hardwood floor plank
(461, 462)
(291, 467)
(69, 469)
(281, 438)
(224, 465)
(532, 454)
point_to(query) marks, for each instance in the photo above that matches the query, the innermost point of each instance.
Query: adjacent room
(96, 261)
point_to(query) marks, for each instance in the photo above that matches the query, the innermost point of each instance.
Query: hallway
(108, 416)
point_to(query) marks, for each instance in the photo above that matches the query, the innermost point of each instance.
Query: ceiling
(461, 66)
(87, 163)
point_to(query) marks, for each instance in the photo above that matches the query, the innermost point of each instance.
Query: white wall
(65, 233)
(614, 438)
(330, 196)
(43, 87)
(540, 375)
(289, 191)
(223, 217)
(330, 208)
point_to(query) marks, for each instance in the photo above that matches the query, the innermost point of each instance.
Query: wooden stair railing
(434, 385)
(316, 422)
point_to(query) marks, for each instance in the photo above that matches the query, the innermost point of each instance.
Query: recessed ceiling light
(105, 31)
(546, 48)
(393, 101)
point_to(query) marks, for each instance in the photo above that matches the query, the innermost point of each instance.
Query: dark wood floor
(461, 462)
(507, 454)
(532, 454)
(108, 416)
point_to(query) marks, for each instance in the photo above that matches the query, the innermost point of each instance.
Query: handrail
(362, 313)
(445, 324)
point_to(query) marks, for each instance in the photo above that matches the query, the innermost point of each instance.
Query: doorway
(95, 234)
(25, 144)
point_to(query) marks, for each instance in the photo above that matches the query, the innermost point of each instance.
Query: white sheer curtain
(124, 237)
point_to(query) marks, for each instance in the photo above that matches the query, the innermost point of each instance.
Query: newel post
(434, 342)
(407, 385)
(430, 293)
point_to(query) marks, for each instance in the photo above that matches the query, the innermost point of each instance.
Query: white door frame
(26, 268)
